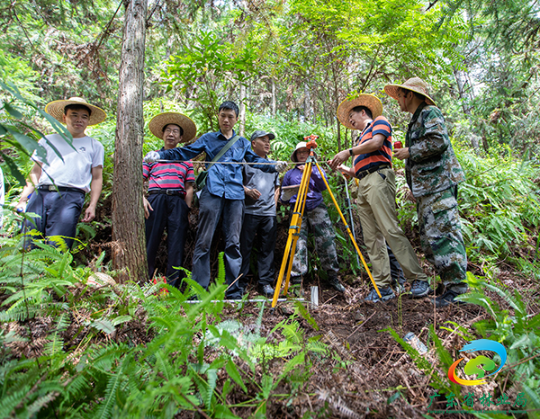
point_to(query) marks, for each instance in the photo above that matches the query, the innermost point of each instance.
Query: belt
(364, 173)
(175, 192)
(53, 188)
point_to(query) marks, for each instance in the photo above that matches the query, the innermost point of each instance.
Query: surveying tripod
(296, 223)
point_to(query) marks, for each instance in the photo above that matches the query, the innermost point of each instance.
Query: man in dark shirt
(223, 195)
(260, 215)
(170, 191)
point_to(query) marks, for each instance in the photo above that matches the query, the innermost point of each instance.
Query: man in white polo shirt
(60, 184)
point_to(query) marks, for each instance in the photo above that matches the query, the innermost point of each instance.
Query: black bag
(200, 181)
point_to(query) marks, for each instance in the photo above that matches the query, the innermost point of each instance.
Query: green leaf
(304, 313)
(121, 319)
(233, 372)
(13, 111)
(13, 169)
(104, 325)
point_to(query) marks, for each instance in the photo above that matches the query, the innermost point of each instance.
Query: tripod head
(311, 144)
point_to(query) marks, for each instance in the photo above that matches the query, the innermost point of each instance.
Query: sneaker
(334, 283)
(420, 288)
(447, 298)
(267, 290)
(386, 294)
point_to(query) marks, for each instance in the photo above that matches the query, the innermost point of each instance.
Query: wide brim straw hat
(301, 144)
(415, 84)
(56, 110)
(158, 122)
(372, 102)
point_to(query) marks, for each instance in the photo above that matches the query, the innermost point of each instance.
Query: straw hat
(56, 110)
(369, 101)
(158, 122)
(416, 84)
(301, 144)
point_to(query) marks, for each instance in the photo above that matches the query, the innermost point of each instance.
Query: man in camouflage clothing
(315, 219)
(433, 173)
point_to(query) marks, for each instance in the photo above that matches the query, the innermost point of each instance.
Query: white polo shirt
(76, 169)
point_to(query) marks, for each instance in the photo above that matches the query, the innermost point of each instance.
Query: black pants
(59, 214)
(170, 211)
(395, 268)
(266, 228)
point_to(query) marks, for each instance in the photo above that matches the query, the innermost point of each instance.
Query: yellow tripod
(296, 223)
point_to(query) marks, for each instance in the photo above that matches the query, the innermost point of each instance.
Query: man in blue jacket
(223, 195)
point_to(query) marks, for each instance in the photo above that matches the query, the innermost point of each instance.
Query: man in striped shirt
(377, 195)
(170, 190)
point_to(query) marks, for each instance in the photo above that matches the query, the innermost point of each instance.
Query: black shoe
(334, 283)
(267, 290)
(386, 294)
(295, 280)
(237, 296)
(446, 299)
(420, 288)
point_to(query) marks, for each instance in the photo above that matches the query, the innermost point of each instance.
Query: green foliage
(72, 371)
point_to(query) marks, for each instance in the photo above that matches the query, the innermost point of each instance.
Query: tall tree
(128, 214)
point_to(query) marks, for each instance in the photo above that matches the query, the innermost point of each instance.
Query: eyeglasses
(174, 131)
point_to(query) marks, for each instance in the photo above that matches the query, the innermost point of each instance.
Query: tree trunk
(273, 98)
(242, 110)
(129, 253)
(308, 111)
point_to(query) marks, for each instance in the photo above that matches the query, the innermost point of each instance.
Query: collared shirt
(168, 175)
(224, 180)
(432, 166)
(266, 184)
(383, 155)
(316, 186)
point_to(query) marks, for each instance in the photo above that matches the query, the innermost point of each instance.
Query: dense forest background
(71, 348)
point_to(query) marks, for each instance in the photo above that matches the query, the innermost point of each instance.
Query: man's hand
(402, 153)
(89, 214)
(281, 166)
(346, 171)
(253, 193)
(21, 205)
(147, 208)
(339, 158)
(151, 157)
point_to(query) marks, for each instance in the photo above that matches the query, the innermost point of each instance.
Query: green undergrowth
(74, 347)
(511, 322)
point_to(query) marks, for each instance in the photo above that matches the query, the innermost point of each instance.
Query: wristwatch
(351, 152)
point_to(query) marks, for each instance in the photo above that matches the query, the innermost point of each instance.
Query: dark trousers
(59, 212)
(265, 227)
(171, 212)
(211, 208)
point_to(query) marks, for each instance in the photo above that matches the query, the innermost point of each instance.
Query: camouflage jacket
(432, 166)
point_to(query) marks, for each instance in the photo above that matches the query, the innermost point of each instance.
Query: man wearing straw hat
(68, 173)
(377, 195)
(433, 173)
(223, 194)
(170, 190)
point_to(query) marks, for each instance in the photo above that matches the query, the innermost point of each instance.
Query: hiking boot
(334, 283)
(386, 294)
(295, 280)
(447, 298)
(267, 290)
(420, 289)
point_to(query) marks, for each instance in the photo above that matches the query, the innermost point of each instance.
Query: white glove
(151, 157)
(281, 166)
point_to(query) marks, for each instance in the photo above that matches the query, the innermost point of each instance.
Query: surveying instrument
(296, 223)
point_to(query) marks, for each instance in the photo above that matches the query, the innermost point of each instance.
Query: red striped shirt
(383, 155)
(168, 175)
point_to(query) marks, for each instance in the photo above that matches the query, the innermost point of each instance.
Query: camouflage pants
(318, 222)
(440, 235)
